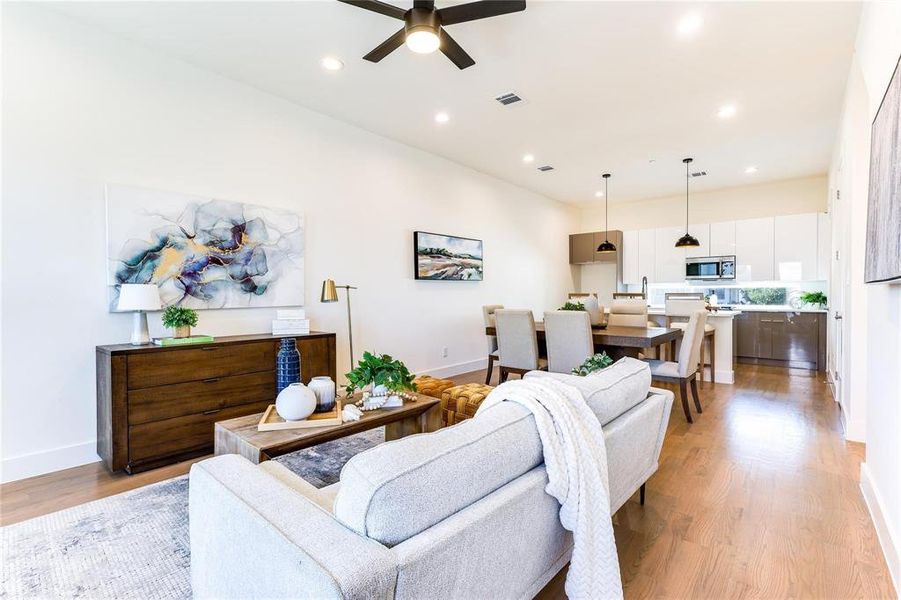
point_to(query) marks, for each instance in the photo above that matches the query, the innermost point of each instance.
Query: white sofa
(458, 513)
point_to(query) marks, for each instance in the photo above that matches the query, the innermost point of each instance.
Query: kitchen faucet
(644, 286)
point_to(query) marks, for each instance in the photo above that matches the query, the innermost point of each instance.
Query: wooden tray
(272, 422)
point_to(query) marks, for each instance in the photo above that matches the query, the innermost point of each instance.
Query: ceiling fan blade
(383, 8)
(387, 47)
(453, 51)
(479, 10)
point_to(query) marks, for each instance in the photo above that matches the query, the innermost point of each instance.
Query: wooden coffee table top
(240, 435)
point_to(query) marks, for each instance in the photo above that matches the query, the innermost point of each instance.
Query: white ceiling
(608, 85)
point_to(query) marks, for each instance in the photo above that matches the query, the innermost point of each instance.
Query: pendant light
(606, 246)
(687, 240)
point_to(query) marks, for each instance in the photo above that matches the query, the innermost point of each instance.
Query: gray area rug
(133, 545)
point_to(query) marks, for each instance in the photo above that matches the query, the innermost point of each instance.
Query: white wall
(872, 341)
(82, 108)
(786, 197)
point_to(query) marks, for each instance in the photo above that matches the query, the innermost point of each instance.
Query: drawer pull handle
(211, 380)
(209, 348)
(211, 412)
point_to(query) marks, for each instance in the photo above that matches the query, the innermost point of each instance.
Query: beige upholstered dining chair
(569, 339)
(628, 313)
(680, 306)
(685, 371)
(517, 342)
(488, 316)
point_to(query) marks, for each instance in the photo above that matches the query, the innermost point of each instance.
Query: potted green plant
(593, 364)
(180, 320)
(572, 306)
(383, 373)
(817, 299)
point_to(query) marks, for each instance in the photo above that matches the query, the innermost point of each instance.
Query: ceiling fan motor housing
(422, 19)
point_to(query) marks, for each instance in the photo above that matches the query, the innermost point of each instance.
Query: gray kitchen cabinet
(790, 339)
(581, 248)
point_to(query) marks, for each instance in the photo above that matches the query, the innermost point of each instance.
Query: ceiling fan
(423, 29)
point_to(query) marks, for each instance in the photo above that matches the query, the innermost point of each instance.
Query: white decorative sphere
(296, 402)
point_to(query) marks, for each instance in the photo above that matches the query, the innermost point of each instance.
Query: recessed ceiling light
(442, 117)
(330, 63)
(528, 158)
(690, 24)
(726, 111)
(599, 194)
(751, 170)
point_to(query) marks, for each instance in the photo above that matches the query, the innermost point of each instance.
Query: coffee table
(240, 435)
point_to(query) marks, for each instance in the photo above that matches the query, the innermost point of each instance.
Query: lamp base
(140, 334)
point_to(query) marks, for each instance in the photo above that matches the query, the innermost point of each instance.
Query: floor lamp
(330, 294)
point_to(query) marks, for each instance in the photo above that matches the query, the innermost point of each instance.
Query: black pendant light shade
(606, 246)
(687, 240)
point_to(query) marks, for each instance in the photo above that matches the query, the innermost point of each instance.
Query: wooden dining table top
(624, 337)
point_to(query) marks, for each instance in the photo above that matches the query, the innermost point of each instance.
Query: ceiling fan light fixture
(422, 40)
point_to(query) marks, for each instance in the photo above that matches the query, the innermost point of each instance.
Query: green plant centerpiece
(572, 306)
(179, 319)
(593, 364)
(387, 376)
(816, 298)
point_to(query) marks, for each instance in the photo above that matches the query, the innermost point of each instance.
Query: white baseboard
(47, 461)
(884, 527)
(456, 369)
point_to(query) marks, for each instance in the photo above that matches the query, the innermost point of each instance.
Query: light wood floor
(759, 498)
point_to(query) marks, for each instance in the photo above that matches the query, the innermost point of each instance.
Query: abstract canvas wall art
(447, 257)
(204, 252)
(883, 253)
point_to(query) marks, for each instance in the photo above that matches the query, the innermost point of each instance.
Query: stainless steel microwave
(710, 268)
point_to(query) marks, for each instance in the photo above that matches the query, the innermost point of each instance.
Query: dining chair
(628, 295)
(569, 339)
(685, 370)
(681, 305)
(517, 343)
(488, 316)
(628, 313)
(577, 295)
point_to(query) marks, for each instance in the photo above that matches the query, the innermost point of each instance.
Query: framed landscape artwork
(447, 257)
(883, 255)
(202, 252)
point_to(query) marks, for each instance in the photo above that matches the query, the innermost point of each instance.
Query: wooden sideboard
(157, 406)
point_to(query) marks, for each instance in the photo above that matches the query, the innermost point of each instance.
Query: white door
(754, 249)
(722, 238)
(840, 282)
(669, 265)
(646, 251)
(795, 247)
(631, 272)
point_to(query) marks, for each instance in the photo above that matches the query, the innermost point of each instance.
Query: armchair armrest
(252, 536)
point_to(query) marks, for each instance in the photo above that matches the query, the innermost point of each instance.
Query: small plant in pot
(384, 374)
(817, 299)
(180, 320)
(570, 305)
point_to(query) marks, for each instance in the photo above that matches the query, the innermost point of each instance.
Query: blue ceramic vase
(287, 364)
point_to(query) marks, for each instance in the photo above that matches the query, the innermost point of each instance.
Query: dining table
(616, 341)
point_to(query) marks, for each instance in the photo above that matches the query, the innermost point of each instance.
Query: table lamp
(139, 297)
(330, 294)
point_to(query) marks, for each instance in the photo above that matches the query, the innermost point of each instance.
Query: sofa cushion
(611, 391)
(398, 489)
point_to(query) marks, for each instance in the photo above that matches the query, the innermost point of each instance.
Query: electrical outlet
(444, 352)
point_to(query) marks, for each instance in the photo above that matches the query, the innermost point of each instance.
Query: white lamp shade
(139, 296)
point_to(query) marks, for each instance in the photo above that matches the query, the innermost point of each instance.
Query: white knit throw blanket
(576, 461)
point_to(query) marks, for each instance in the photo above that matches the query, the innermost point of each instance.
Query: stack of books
(291, 321)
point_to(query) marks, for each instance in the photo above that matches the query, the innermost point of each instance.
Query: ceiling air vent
(546, 168)
(508, 98)
(699, 174)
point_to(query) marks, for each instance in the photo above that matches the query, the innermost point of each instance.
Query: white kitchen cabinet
(722, 238)
(824, 246)
(795, 247)
(631, 272)
(754, 249)
(701, 232)
(646, 255)
(669, 263)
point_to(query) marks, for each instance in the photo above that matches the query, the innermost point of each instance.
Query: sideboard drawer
(196, 364)
(169, 401)
(181, 434)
